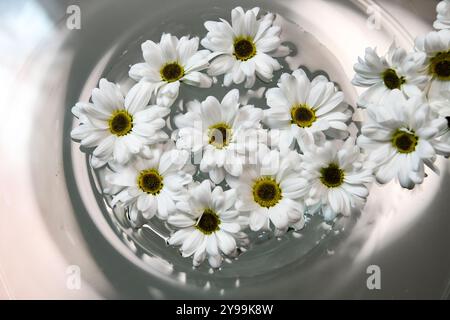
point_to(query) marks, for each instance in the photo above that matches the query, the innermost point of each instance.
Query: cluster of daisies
(228, 168)
(408, 105)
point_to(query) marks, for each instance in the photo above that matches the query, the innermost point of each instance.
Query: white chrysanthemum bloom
(167, 64)
(222, 131)
(401, 136)
(117, 127)
(443, 17)
(272, 191)
(436, 45)
(300, 109)
(209, 224)
(337, 177)
(244, 49)
(397, 70)
(151, 184)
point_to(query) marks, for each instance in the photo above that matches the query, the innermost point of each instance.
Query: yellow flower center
(332, 176)
(120, 123)
(404, 142)
(172, 72)
(244, 48)
(440, 66)
(266, 192)
(209, 222)
(302, 115)
(150, 181)
(392, 80)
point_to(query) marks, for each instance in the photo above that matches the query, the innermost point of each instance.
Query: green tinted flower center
(244, 49)
(392, 80)
(404, 141)
(171, 72)
(332, 176)
(219, 135)
(266, 192)
(150, 181)
(440, 66)
(209, 222)
(120, 123)
(303, 116)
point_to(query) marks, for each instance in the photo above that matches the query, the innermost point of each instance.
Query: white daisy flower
(244, 49)
(151, 184)
(396, 70)
(436, 46)
(167, 64)
(402, 136)
(272, 191)
(300, 109)
(117, 127)
(337, 177)
(222, 131)
(209, 225)
(443, 17)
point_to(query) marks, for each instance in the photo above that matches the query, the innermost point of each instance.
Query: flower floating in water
(301, 108)
(436, 46)
(244, 49)
(169, 63)
(271, 191)
(397, 70)
(117, 127)
(401, 137)
(222, 131)
(151, 184)
(337, 177)
(209, 224)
